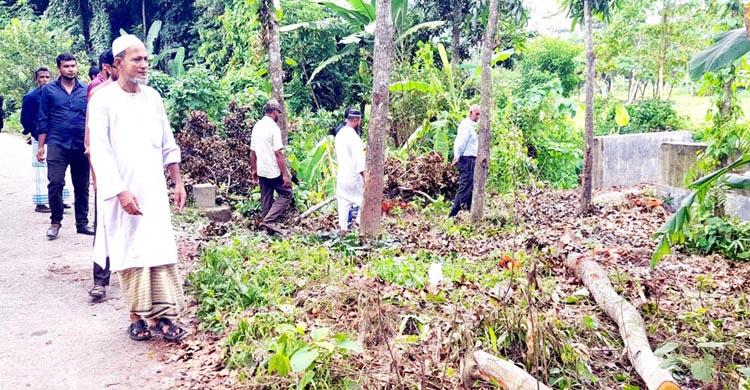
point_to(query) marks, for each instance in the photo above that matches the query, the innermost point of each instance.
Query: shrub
(726, 236)
(645, 116)
(197, 89)
(555, 57)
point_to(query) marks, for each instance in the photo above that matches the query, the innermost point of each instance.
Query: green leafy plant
(726, 236)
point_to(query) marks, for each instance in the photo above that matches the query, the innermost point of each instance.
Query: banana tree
(673, 231)
(360, 15)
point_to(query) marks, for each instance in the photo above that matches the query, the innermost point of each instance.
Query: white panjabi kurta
(350, 155)
(131, 143)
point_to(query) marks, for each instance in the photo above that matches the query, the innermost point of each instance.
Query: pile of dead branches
(427, 174)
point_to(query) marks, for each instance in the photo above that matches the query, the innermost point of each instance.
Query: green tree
(553, 56)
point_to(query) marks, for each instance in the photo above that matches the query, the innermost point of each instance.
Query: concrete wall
(630, 159)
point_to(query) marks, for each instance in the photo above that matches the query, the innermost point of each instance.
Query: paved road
(51, 335)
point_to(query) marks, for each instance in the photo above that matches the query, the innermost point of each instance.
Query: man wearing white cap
(350, 155)
(131, 143)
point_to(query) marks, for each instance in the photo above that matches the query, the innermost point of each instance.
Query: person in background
(106, 60)
(131, 145)
(350, 155)
(268, 167)
(29, 119)
(61, 127)
(465, 155)
(96, 73)
(101, 274)
(2, 113)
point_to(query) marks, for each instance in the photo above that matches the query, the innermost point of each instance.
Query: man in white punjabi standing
(131, 143)
(268, 167)
(464, 156)
(350, 155)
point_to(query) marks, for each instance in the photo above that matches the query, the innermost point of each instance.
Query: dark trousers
(58, 160)
(465, 185)
(101, 275)
(274, 209)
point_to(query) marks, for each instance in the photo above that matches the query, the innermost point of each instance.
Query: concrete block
(675, 160)
(738, 205)
(204, 195)
(218, 213)
(621, 160)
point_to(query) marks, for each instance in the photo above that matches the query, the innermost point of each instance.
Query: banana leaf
(728, 47)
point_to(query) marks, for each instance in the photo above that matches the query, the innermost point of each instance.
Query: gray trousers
(274, 209)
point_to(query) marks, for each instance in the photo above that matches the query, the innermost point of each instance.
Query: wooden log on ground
(316, 207)
(482, 365)
(629, 321)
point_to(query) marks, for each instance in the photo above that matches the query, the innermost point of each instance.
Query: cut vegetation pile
(336, 312)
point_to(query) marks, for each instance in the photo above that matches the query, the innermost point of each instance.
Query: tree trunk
(276, 71)
(631, 325)
(481, 365)
(726, 104)
(458, 16)
(482, 162)
(376, 134)
(588, 163)
(663, 49)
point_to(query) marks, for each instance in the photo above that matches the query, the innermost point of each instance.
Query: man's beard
(139, 80)
(66, 78)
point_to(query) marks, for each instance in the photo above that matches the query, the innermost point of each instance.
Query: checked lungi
(40, 195)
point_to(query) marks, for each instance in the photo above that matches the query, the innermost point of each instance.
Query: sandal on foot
(139, 331)
(98, 292)
(173, 332)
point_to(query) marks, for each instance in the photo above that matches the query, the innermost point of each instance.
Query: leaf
(350, 16)
(622, 118)
(290, 62)
(666, 348)
(501, 56)
(589, 322)
(336, 57)
(729, 47)
(303, 358)
(410, 85)
(350, 345)
(365, 9)
(712, 344)
(320, 334)
(153, 33)
(703, 369)
(420, 26)
(444, 58)
(278, 363)
(661, 250)
(737, 181)
(316, 25)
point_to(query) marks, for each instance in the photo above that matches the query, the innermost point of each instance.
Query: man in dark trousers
(62, 122)
(268, 166)
(465, 155)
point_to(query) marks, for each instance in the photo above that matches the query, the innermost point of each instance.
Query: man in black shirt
(62, 119)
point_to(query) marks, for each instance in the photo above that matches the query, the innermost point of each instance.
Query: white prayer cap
(123, 42)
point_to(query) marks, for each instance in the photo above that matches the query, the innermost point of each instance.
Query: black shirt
(62, 115)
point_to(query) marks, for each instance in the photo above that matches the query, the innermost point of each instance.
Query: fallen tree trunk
(481, 365)
(631, 325)
(316, 207)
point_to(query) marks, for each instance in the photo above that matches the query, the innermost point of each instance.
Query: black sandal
(174, 333)
(139, 331)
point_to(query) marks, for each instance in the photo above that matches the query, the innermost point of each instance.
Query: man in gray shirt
(464, 156)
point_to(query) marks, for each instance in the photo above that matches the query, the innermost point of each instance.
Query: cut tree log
(316, 207)
(482, 365)
(631, 324)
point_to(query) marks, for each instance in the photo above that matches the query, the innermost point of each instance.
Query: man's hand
(129, 203)
(287, 182)
(40, 154)
(254, 179)
(180, 196)
(455, 161)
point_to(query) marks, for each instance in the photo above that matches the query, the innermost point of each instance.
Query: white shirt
(131, 143)
(466, 140)
(350, 155)
(265, 141)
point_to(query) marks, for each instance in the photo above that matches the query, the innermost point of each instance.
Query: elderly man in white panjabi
(131, 143)
(350, 156)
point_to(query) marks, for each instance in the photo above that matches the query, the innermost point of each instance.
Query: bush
(197, 89)
(555, 57)
(726, 236)
(645, 116)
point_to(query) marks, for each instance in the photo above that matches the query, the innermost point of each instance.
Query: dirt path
(51, 335)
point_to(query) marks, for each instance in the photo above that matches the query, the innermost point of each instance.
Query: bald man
(464, 156)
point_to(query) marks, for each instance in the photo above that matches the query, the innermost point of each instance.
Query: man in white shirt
(269, 167)
(464, 156)
(350, 155)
